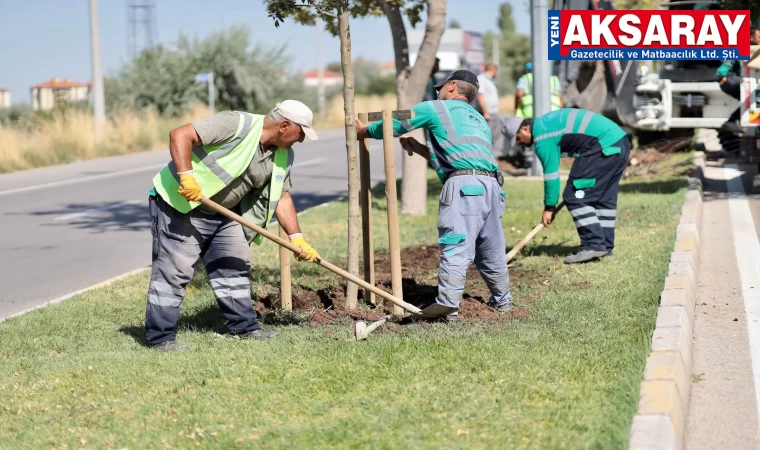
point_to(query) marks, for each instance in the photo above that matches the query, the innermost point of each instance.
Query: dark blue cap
(460, 75)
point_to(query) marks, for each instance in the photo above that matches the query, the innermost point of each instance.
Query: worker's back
(575, 132)
(460, 137)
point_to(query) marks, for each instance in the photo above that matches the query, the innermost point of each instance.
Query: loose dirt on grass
(326, 306)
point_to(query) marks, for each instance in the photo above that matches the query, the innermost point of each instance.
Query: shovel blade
(437, 310)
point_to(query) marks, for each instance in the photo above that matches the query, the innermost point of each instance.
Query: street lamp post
(98, 97)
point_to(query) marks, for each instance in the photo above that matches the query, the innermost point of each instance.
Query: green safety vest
(526, 102)
(216, 166)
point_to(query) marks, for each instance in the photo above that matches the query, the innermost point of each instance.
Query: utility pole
(98, 98)
(495, 50)
(208, 78)
(211, 97)
(541, 67)
(320, 72)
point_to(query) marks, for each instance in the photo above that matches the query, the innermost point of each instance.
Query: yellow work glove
(189, 187)
(307, 251)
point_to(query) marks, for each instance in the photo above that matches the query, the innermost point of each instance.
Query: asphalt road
(723, 410)
(68, 227)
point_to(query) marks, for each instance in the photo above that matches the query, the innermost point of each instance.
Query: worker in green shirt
(600, 149)
(730, 80)
(472, 202)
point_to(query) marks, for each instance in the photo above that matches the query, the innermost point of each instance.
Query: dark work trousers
(594, 209)
(178, 241)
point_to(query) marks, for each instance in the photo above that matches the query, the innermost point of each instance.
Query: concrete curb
(660, 422)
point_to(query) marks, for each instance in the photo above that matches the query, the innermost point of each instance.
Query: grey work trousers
(178, 241)
(469, 229)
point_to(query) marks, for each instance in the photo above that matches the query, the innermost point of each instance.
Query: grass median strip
(563, 374)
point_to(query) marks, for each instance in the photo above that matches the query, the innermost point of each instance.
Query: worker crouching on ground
(241, 161)
(472, 202)
(600, 149)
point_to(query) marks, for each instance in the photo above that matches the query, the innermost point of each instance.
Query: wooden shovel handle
(286, 243)
(531, 235)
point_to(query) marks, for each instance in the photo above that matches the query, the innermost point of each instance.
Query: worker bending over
(241, 161)
(600, 149)
(472, 202)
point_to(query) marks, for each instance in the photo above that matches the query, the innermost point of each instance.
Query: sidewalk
(723, 412)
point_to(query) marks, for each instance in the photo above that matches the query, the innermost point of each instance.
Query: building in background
(5, 98)
(47, 95)
(388, 68)
(459, 49)
(330, 78)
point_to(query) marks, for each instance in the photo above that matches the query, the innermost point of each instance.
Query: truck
(655, 100)
(459, 49)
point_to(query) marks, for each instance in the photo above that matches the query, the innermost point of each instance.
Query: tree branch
(434, 28)
(398, 32)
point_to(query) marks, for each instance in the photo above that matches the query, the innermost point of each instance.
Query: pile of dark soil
(420, 270)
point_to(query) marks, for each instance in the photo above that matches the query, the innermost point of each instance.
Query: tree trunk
(410, 88)
(353, 168)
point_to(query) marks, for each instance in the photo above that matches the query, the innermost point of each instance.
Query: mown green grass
(564, 376)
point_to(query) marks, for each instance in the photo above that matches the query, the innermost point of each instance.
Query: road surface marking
(82, 179)
(102, 208)
(747, 249)
(119, 173)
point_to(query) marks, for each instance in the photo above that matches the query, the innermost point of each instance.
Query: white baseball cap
(298, 113)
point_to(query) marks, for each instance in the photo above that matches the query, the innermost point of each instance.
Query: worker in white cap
(241, 161)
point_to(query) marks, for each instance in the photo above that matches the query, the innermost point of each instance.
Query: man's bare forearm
(181, 142)
(286, 214)
(518, 96)
(424, 152)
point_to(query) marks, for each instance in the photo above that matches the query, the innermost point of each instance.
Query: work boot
(585, 256)
(505, 308)
(255, 334)
(609, 254)
(453, 317)
(170, 346)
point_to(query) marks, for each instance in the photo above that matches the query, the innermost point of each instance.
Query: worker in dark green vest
(241, 161)
(472, 202)
(600, 149)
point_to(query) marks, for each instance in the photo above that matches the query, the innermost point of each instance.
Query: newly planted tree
(410, 85)
(410, 80)
(306, 11)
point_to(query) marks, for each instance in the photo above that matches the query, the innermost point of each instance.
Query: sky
(42, 39)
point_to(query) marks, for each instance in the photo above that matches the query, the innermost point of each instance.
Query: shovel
(531, 235)
(433, 310)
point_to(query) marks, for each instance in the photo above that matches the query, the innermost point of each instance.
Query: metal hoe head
(363, 330)
(435, 310)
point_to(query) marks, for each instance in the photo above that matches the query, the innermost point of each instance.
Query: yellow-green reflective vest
(526, 102)
(216, 166)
